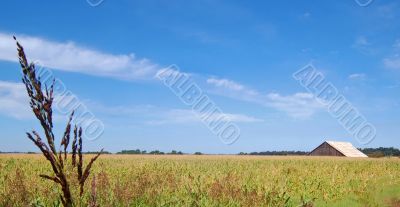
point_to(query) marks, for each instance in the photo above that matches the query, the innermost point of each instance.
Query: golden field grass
(208, 180)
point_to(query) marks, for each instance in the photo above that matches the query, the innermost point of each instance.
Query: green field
(187, 180)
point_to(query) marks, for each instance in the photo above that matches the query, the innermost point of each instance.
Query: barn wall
(325, 150)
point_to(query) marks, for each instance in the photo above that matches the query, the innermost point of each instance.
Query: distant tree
(279, 153)
(174, 152)
(156, 152)
(376, 154)
(96, 152)
(198, 153)
(137, 151)
(385, 151)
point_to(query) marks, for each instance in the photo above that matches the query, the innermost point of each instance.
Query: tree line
(154, 152)
(276, 153)
(381, 152)
(371, 152)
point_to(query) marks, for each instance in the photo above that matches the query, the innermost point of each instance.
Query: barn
(333, 148)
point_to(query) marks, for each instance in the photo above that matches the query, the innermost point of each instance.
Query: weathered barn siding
(334, 148)
(325, 150)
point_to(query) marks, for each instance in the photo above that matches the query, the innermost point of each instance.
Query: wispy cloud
(13, 100)
(361, 41)
(14, 103)
(184, 116)
(306, 15)
(396, 44)
(202, 36)
(363, 45)
(396, 85)
(150, 114)
(68, 56)
(231, 85)
(357, 76)
(392, 62)
(225, 83)
(388, 11)
(298, 105)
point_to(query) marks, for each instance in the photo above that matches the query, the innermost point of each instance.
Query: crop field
(188, 180)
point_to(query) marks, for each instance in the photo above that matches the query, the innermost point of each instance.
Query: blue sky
(241, 54)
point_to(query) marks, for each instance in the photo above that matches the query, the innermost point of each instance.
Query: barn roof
(346, 148)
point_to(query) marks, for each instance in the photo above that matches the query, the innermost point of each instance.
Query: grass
(188, 180)
(41, 98)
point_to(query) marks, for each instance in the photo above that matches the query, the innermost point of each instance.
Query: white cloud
(298, 105)
(306, 50)
(13, 100)
(392, 62)
(307, 15)
(357, 76)
(182, 116)
(225, 83)
(170, 73)
(396, 85)
(151, 114)
(14, 103)
(202, 36)
(241, 118)
(68, 56)
(396, 44)
(231, 86)
(361, 41)
(388, 10)
(363, 45)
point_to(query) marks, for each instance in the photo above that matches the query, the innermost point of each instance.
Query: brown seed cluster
(41, 101)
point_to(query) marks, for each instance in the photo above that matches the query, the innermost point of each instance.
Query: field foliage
(183, 180)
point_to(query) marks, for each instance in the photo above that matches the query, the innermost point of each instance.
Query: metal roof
(346, 148)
